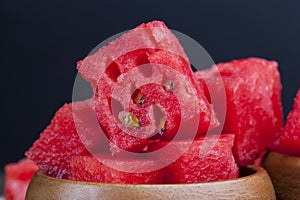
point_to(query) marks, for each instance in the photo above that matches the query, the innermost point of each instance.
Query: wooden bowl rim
(257, 172)
(289, 159)
(284, 171)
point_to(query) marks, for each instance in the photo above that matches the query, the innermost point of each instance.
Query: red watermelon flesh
(155, 94)
(89, 168)
(17, 179)
(106, 108)
(60, 140)
(172, 57)
(206, 116)
(179, 103)
(254, 110)
(289, 140)
(166, 107)
(206, 159)
(201, 79)
(152, 35)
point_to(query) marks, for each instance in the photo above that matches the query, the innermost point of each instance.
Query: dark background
(42, 40)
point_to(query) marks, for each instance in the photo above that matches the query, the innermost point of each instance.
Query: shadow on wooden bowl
(254, 184)
(284, 171)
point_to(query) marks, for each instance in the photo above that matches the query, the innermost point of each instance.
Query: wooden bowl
(255, 184)
(285, 174)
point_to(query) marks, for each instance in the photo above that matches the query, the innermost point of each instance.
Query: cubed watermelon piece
(60, 140)
(107, 110)
(202, 79)
(166, 108)
(205, 114)
(289, 140)
(205, 159)
(151, 35)
(17, 179)
(89, 168)
(151, 44)
(254, 109)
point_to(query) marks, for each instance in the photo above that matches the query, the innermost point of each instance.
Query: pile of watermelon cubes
(86, 140)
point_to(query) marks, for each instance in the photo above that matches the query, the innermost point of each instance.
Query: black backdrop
(42, 40)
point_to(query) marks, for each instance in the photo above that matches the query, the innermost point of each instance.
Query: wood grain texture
(255, 186)
(285, 174)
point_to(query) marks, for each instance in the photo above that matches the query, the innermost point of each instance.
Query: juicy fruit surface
(289, 140)
(88, 168)
(119, 139)
(206, 159)
(254, 110)
(145, 93)
(60, 140)
(17, 179)
(152, 35)
(207, 119)
(153, 45)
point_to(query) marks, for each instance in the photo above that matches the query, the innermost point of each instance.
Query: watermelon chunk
(106, 107)
(206, 159)
(17, 179)
(60, 140)
(205, 114)
(254, 110)
(289, 140)
(89, 168)
(146, 47)
(152, 35)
